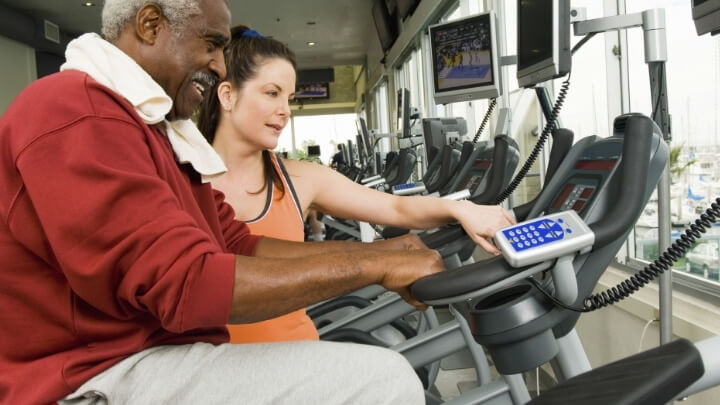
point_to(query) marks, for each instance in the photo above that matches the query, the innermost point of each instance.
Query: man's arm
(266, 288)
(276, 248)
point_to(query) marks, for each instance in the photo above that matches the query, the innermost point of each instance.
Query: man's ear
(149, 20)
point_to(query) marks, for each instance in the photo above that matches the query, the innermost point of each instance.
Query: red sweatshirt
(107, 247)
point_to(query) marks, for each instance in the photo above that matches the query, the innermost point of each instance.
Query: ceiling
(341, 29)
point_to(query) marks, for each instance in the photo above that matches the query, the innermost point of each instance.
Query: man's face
(191, 59)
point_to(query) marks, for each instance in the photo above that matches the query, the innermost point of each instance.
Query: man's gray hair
(116, 14)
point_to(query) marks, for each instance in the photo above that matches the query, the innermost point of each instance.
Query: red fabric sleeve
(119, 233)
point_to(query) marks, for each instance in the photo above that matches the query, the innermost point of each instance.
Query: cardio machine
(607, 182)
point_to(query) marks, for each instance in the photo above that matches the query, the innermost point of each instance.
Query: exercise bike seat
(654, 376)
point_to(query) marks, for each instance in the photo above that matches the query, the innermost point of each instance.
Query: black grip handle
(442, 236)
(463, 280)
(496, 174)
(638, 130)
(562, 142)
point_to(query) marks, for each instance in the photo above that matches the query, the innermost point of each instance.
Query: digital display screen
(462, 54)
(535, 32)
(597, 164)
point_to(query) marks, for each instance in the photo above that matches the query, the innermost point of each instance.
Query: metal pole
(658, 91)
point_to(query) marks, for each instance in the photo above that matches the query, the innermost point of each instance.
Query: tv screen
(384, 24)
(543, 40)
(313, 150)
(312, 91)
(464, 59)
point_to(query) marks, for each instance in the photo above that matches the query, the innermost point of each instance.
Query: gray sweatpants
(306, 372)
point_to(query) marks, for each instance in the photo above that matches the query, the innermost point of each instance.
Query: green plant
(677, 169)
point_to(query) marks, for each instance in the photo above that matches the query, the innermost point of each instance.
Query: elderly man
(121, 266)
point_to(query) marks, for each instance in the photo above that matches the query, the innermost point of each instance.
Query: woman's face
(262, 105)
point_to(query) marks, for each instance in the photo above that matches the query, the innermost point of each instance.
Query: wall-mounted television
(465, 59)
(384, 24)
(313, 150)
(543, 40)
(317, 91)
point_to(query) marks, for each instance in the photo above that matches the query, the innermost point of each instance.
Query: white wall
(615, 332)
(17, 70)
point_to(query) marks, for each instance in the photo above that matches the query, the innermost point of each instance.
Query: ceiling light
(88, 4)
(311, 43)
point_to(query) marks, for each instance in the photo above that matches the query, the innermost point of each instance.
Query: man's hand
(404, 268)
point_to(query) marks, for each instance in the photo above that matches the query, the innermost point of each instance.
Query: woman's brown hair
(244, 54)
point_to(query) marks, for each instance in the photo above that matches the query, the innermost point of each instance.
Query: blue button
(560, 220)
(568, 230)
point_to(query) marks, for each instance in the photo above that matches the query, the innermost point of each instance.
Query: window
(693, 91)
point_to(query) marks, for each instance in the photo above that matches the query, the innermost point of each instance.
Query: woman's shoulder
(297, 167)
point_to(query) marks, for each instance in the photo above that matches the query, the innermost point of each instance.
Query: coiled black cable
(549, 126)
(485, 120)
(638, 280)
(659, 265)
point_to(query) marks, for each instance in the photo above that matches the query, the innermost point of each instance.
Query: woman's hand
(482, 221)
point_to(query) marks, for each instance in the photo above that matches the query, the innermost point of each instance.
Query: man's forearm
(282, 249)
(265, 288)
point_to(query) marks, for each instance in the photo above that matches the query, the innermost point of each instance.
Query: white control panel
(544, 238)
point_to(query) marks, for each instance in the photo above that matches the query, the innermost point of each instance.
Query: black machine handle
(633, 174)
(562, 142)
(442, 236)
(496, 174)
(467, 150)
(436, 181)
(633, 168)
(434, 161)
(463, 280)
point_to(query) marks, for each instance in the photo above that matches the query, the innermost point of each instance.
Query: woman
(243, 117)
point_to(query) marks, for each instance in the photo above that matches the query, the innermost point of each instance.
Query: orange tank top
(281, 219)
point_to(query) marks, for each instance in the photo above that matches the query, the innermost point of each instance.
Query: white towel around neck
(113, 68)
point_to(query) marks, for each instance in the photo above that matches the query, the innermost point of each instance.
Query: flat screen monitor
(403, 113)
(435, 131)
(706, 15)
(543, 40)
(313, 150)
(465, 59)
(384, 24)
